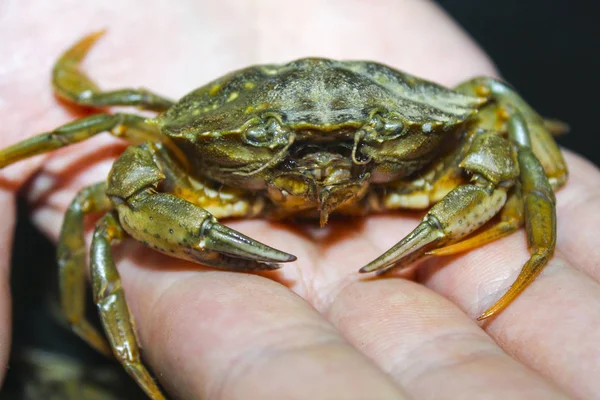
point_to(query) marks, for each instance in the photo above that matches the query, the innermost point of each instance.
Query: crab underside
(306, 139)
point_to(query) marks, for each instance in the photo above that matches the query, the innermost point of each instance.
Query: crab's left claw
(459, 213)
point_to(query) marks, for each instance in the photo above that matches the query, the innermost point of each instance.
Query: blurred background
(547, 49)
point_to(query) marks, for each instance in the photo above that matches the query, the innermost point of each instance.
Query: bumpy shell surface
(315, 94)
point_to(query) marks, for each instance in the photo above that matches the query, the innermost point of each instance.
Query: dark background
(547, 49)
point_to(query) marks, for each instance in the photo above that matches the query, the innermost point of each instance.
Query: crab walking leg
(71, 84)
(114, 312)
(540, 213)
(511, 219)
(130, 127)
(543, 144)
(71, 256)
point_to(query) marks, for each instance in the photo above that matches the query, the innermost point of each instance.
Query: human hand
(315, 328)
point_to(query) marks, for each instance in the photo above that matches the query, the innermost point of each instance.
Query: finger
(429, 346)
(7, 202)
(215, 335)
(578, 217)
(550, 327)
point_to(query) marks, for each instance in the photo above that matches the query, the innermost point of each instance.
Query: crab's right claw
(224, 240)
(184, 230)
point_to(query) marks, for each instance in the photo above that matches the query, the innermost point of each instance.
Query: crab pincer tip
(228, 241)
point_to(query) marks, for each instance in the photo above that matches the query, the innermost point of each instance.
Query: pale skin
(316, 328)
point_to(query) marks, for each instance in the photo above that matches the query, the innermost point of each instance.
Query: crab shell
(314, 133)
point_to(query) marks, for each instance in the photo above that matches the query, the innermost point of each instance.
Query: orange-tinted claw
(462, 246)
(78, 51)
(67, 80)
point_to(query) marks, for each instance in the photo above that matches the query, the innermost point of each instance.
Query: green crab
(307, 139)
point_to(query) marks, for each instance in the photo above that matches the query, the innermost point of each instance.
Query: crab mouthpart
(331, 197)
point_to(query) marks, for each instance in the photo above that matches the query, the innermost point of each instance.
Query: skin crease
(316, 328)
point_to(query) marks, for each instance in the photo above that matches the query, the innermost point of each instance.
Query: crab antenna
(276, 158)
(357, 138)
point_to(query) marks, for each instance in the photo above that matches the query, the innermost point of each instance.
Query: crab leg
(540, 140)
(174, 225)
(491, 162)
(71, 256)
(468, 207)
(543, 144)
(168, 224)
(114, 312)
(540, 213)
(160, 220)
(130, 127)
(71, 84)
(74, 86)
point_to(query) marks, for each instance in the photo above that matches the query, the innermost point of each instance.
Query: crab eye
(387, 125)
(263, 134)
(377, 122)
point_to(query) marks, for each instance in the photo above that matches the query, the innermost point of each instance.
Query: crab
(308, 139)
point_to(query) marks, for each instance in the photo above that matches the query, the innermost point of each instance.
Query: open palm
(316, 328)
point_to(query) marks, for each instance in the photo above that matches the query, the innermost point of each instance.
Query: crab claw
(425, 236)
(224, 240)
(459, 213)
